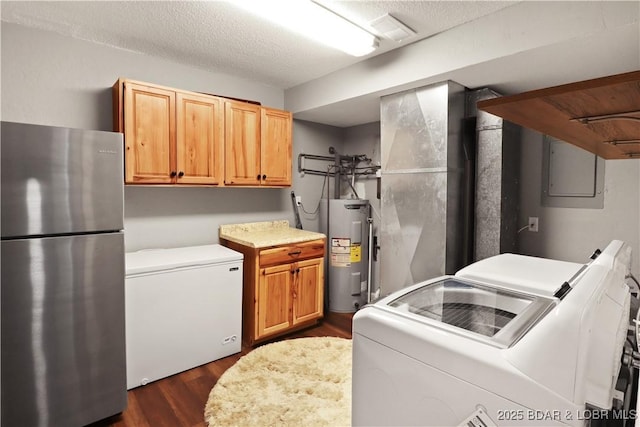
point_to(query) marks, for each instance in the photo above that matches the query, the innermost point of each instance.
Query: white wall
(56, 80)
(519, 46)
(572, 234)
(364, 139)
(313, 138)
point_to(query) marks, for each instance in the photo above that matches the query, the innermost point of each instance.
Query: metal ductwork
(497, 190)
(422, 184)
(449, 186)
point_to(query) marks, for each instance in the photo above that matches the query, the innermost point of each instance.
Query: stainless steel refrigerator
(62, 271)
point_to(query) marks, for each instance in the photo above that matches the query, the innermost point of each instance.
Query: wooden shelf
(599, 115)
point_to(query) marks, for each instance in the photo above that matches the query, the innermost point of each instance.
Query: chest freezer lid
(155, 260)
(523, 273)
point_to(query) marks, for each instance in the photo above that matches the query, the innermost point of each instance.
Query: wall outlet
(298, 200)
(533, 224)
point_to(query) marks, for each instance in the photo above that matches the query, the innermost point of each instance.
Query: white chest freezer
(510, 340)
(183, 308)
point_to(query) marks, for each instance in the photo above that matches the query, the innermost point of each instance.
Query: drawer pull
(234, 269)
(292, 252)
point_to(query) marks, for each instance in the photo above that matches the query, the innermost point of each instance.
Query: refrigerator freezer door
(59, 180)
(63, 330)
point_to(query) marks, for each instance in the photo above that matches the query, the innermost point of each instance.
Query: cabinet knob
(180, 174)
(264, 177)
(258, 177)
(297, 271)
(173, 174)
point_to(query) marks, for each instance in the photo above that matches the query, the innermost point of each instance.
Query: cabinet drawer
(291, 253)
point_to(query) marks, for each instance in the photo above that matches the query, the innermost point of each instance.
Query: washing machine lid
(494, 315)
(156, 260)
(523, 273)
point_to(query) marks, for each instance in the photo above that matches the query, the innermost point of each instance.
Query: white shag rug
(297, 382)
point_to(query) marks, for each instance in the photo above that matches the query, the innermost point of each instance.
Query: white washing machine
(183, 309)
(509, 340)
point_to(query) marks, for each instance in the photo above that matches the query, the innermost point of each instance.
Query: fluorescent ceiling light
(315, 22)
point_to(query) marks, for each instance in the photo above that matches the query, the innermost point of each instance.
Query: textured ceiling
(217, 35)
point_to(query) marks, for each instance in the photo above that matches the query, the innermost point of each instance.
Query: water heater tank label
(340, 246)
(340, 252)
(356, 253)
(340, 260)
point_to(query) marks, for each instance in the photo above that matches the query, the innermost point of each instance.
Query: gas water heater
(346, 225)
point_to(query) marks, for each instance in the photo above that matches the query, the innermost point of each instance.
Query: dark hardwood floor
(180, 399)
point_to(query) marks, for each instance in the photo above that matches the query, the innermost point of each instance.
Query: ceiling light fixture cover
(315, 22)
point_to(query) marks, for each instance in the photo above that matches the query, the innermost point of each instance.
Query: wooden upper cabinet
(257, 145)
(171, 136)
(149, 134)
(178, 137)
(242, 143)
(276, 146)
(199, 139)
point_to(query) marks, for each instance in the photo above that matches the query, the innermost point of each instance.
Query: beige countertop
(268, 233)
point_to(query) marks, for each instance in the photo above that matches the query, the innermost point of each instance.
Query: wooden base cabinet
(283, 288)
(274, 300)
(308, 291)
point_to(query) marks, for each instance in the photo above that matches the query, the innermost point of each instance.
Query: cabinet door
(149, 134)
(242, 143)
(199, 139)
(276, 147)
(274, 300)
(308, 290)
